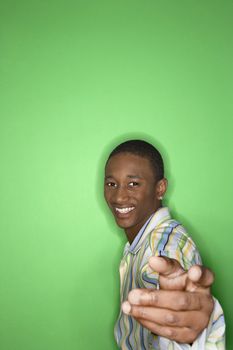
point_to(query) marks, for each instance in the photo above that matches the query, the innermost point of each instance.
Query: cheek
(107, 196)
(148, 197)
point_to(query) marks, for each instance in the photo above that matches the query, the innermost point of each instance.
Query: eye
(133, 184)
(111, 184)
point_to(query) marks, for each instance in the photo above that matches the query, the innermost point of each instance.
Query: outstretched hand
(173, 277)
(181, 308)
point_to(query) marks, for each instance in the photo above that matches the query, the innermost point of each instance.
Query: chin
(122, 224)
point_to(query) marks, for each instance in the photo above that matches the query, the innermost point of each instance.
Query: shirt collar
(154, 220)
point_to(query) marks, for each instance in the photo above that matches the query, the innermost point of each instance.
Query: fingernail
(126, 307)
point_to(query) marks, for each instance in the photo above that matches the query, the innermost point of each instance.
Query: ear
(161, 188)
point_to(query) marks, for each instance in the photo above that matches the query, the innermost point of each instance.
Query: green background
(76, 78)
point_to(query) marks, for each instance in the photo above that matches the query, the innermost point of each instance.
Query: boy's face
(131, 191)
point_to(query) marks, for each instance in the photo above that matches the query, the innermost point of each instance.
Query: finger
(171, 274)
(166, 317)
(201, 276)
(166, 266)
(175, 284)
(173, 300)
(181, 335)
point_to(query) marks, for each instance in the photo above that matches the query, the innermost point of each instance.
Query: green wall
(76, 77)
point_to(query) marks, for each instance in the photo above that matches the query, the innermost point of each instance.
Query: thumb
(171, 274)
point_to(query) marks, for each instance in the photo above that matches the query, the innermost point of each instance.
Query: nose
(121, 195)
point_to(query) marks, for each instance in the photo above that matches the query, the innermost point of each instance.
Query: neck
(132, 232)
(130, 236)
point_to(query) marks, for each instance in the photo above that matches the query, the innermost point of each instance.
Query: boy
(134, 189)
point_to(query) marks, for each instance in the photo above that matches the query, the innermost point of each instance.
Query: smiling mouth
(124, 210)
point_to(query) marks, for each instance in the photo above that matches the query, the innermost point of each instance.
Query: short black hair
(143, 149)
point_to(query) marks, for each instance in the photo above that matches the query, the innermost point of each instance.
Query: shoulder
(169, 234)
(172, 240)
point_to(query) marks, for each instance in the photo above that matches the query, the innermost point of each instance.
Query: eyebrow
(134, 176)
(129, 176)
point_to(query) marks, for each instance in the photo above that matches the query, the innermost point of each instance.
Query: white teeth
(125, 210)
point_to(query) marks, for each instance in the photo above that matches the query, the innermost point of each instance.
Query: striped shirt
(160, 236)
